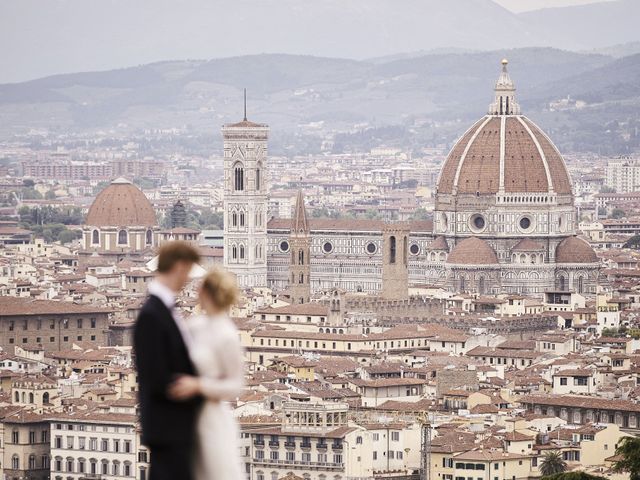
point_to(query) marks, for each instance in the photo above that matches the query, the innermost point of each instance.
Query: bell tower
(300, 245)
(395, 266)
(245, 200)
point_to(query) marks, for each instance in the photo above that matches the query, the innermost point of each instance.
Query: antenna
(245, 104)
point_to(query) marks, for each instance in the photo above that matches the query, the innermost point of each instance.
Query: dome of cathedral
(575, 250)
(504, 152)
(472, 251)
(121, 204)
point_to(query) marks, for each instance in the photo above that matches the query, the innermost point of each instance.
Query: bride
(215, 350)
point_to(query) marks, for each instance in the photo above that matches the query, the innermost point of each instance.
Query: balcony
(274, 443)
(305, 445)
(290, 444)
(336, 446)
(300, 464)
(321, 446)
(258, 443)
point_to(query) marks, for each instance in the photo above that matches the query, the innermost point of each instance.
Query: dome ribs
(557, 168)
(121, 205)
(482, 163)
(524, 168)
(448, 172)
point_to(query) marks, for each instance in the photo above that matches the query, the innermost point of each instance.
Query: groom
(161, 342)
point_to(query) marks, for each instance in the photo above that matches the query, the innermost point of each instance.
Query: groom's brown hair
(175, 252)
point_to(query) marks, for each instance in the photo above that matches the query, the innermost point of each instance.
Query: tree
(552, 463)
(629, 451)
(618, 213)
(421, 214)
(633, 242)
(573, 476)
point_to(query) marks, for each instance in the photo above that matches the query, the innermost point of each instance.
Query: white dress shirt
(168, 297)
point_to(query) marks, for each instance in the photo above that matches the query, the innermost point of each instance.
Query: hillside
(313, 96)
(48, 36)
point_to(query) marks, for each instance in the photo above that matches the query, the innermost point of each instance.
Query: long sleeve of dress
(230, 385)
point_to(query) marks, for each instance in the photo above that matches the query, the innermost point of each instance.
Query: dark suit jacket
(161, 355)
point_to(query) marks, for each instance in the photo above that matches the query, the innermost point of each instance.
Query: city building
(121, 222)
(504, 221)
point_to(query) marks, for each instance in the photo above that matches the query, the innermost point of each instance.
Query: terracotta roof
(575, 250)
(527, 245)
(121, 204)
(581, 402)
(10, 306)
(472, 251)
(439, 243)
(474, 163)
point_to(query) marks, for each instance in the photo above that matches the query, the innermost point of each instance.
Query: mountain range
(429, 97)
(43, 37)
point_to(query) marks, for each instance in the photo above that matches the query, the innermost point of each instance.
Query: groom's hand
(185, 387)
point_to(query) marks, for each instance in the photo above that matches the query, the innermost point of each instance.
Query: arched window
(95, 237)
(17, 397)
(404, 251)
(149, 237)
(301, 278)
(31, 397)
(259, 177)
(32, 462)
(234, 252)
(238, 177)
(234, 219)
(123, 238)
(562, 283)
(580, 284)
(241, 252)
(15, 462)
(392, 249)
(300, 257)
(481, 285)
(45, 398)
(462, 283)
(242, 219)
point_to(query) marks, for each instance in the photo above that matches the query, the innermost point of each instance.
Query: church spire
(300, 221)
(505, 99)
(245, 105)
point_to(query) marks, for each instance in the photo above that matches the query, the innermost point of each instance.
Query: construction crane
(425, 446)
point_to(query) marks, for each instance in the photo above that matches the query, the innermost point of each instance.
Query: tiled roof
(472, 251)
(11, 306)
(575, 250)
(474, 163)
(121, 204)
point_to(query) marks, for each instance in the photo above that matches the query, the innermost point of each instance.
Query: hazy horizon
(43, 38)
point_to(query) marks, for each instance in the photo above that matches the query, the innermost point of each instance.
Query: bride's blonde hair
(221, 288)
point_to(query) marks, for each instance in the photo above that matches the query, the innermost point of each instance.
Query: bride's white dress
(217, 355)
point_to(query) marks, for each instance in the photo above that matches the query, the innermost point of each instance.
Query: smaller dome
(121, 204)
(575, 250)
(527, 245)
(472, 251)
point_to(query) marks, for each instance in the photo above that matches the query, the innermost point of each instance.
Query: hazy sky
(524, 5)
(45, 37)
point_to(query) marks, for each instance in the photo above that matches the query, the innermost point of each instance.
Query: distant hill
(48, 36)
(304, 97)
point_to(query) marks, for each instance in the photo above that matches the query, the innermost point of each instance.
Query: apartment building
(101, 444)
